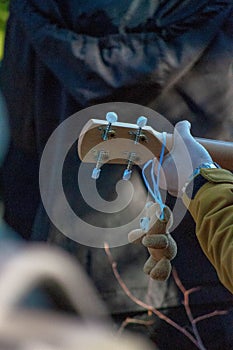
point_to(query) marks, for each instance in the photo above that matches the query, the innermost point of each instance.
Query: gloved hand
(178, 165)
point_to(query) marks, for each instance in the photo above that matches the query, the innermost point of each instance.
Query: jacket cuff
(215, 176)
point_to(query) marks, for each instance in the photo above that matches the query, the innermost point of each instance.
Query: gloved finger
(136, 236)
(182, 128)
(158, 241)
(181, 133)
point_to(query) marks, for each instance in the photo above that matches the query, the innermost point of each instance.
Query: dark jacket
(183, 49)
(61, 56)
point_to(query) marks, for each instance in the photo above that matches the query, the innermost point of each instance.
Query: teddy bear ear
(145, 224)
(136, 236)
(147, 207)
(153, 210)
(149, 204)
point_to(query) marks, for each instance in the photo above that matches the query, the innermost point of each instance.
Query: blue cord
(155, 193)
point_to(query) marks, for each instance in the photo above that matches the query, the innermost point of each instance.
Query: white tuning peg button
(127, 175)
(111, 117)
(95, 173)
(142, 121)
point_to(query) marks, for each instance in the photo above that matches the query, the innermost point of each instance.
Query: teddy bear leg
(161, 271)
(149, 265)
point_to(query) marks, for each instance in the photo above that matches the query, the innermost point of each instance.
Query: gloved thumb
(182, 129)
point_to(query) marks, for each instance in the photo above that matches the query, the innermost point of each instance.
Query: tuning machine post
(107, 132)
(128, 171)
(138, 136)
(101, 156)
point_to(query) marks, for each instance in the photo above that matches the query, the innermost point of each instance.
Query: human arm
(212, 210)
(3, 19)
(94, 68)
(208, 197)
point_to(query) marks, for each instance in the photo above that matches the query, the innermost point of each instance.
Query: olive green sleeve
(3, 19)
(212, 210)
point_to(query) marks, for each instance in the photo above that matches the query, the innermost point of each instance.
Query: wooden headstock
(124, 143)
(91, 141)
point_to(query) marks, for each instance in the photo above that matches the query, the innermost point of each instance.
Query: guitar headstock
(110, 141)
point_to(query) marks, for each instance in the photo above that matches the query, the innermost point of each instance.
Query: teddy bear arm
(155, 241)
(136, 236)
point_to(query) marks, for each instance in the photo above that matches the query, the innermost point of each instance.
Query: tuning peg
(128, 171)
(111, 117)
(96, 173)
(141, 122)
(138, 135)
(102, 155)
(127, 174)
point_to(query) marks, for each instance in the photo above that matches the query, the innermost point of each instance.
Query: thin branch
(211, 314)
(144, 305)
(186, 294)
(130, 320)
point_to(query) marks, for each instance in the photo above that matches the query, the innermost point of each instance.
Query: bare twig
(193, 320)
(144, 305)
(186, 294)
(211, 314)
(130, 320)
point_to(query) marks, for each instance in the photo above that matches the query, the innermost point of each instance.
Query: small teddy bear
(154, 234)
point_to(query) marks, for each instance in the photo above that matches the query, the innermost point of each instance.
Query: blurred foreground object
(37, 264)
(34, 329)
